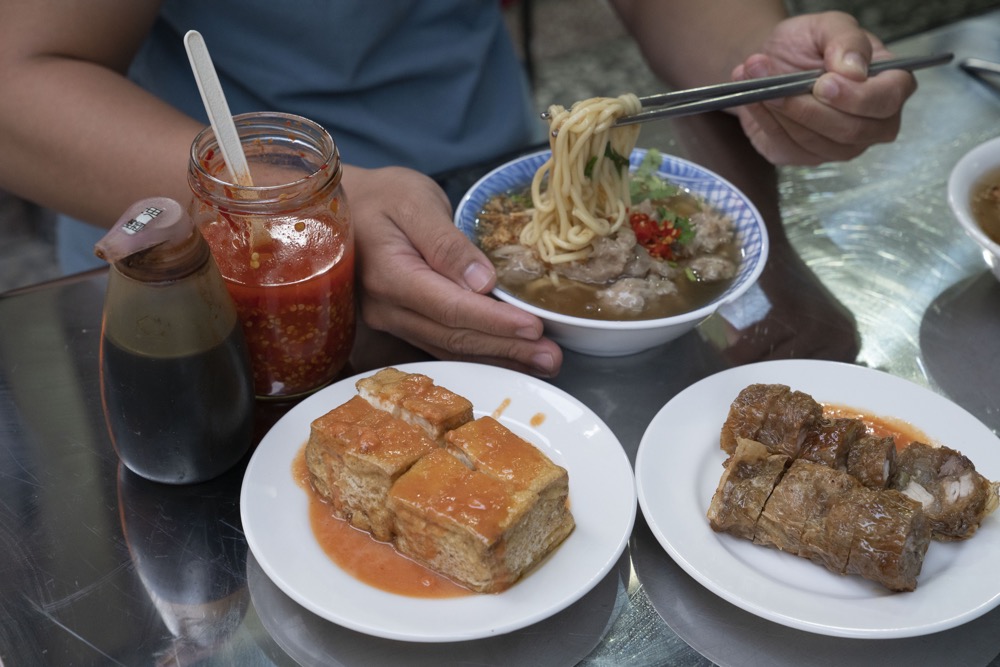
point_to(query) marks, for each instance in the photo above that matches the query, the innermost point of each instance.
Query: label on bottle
(135, 225)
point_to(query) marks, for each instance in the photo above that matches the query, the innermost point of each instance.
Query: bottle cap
(155, 238)
(146, 223)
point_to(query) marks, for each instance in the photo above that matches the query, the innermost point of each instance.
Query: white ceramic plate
(274, 511)
(679, 464)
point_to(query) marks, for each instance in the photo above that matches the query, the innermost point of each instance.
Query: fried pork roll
(955, 497)
(795, 516)
(830, 441)
(872, 460)
(745, 486)
(890, 536)
(823, 514)
(773, 415)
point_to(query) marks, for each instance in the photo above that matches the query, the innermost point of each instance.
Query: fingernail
(853, 61)
(543, 362)
(756, 70)
(826, 89)
(529, 332)
(478, 277)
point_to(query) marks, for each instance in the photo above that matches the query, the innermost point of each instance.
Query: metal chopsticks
(977, 66)
(736, 93)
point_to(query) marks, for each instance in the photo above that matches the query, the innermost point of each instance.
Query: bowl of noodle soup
(571, 217)
(974, 197)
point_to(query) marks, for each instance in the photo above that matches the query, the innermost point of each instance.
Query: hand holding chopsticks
(737, 93)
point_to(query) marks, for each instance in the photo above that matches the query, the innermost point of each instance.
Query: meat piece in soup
(676, 256)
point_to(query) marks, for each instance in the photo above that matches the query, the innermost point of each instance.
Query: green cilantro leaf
(687, 229)
(620, 161)
(646, 183)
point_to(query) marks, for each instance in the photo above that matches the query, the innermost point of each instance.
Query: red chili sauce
(296, 304)
(902, 432)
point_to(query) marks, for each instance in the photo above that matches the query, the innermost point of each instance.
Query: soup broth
(571, 297)
(986, 204)
(580, 299)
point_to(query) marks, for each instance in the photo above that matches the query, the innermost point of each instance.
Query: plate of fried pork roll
(505, 488)
(827, 497)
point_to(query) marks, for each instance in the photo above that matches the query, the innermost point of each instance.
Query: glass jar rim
(289, 124)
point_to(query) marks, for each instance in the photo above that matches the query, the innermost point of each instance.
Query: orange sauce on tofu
(359, 554)
(441, 485)
(901, 431)
(418, 394)
(495, 448)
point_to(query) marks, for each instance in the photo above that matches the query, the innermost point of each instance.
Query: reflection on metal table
(867, 266)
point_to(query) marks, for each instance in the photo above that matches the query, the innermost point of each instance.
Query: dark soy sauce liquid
(178, 419)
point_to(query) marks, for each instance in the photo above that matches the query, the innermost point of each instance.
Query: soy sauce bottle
(175, 373)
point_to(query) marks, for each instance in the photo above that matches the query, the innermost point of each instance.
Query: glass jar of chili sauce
(285, 247)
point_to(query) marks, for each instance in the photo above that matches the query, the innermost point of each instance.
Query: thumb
(846, 47)
(451, 254)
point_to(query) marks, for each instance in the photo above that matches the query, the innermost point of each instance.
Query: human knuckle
(377, 284)
(462, 341)
(446, 248)
(450, 314)
(373, 314)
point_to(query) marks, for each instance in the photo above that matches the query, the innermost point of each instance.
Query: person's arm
(692, 43)
(75, 134)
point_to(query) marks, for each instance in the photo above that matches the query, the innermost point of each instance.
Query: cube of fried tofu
(354, 455)
(415, 398)
(490, 447)
(480, 530)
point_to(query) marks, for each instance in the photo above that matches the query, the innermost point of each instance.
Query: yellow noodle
(573, 209)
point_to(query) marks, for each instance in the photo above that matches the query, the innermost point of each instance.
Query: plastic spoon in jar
(222, 123)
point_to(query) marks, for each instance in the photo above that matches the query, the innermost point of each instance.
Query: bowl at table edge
(965, 175)
(610, 338)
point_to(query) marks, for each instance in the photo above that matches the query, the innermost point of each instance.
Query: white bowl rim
(628, 325)
(963, 179)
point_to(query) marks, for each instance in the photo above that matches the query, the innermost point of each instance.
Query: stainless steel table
(867, 266)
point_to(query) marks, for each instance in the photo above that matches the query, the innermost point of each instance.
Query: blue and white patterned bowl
(617, 338)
